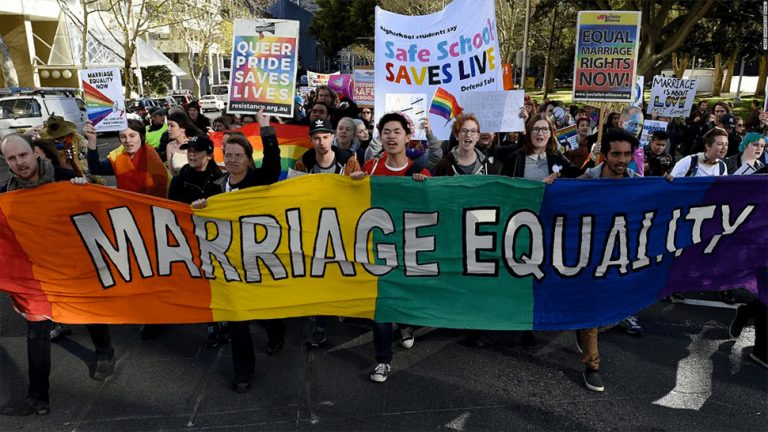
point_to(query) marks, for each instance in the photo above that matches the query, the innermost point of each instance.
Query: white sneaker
(380, 373)
(406, 337)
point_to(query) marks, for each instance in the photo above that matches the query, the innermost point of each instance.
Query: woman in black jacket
(539, 158)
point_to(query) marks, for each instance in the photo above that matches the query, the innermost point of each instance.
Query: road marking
(694, 374)
(459, 423)
(745, 340)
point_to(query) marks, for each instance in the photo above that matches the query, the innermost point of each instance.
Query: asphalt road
(683, 374)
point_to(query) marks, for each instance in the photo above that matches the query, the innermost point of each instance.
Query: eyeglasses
(237, 157)
(540, 130)
(469, 131)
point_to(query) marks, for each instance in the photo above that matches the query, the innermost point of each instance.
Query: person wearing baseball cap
(196, 178)
(324, 157)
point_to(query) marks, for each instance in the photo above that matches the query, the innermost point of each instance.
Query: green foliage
(333, 26)
(157, 80)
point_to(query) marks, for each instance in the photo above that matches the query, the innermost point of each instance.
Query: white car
(210, 103)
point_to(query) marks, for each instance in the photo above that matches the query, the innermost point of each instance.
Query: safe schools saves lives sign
(606, 55)
(541, 257)
(455, 49)
(264, 59)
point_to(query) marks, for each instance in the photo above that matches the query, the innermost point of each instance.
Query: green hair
(749, 139)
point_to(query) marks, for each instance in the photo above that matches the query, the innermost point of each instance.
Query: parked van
(221, 92)
(23, 108)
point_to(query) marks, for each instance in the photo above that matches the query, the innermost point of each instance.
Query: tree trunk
(9, 69)
(128, 64)
(762, 74)
(717, 79)
(729, 70)
(680, 63)
(546, 85)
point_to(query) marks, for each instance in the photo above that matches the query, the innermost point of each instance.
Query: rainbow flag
(99, 105)
(293, 141)
(444, 104)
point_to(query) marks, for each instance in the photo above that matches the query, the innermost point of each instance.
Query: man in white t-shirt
(708, 163)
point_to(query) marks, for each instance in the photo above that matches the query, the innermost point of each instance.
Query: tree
(665, 26)
(9, 69)
(208, 27)
(157, 80)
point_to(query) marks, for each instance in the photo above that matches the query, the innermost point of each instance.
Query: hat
(194, 104)
(157, 111)
(56, 127)
(198, 143)
(320, 125)
(728, 121)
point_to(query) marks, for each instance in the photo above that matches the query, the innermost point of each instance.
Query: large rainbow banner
(461, 252)
(264, 62)
(605, 68)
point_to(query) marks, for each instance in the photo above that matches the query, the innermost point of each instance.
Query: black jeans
(39, 353)
(383, 334)
(243, 356)
(757, 310)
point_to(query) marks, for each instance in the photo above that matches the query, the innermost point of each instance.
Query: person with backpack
(710, 161)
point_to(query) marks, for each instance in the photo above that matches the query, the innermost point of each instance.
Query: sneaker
(212, 341)
(406, 338)
(274, 347)
(317, 340)
(727, 297)
(577, 333)
(528, 339)
(738, 323)
(241, 384)
(631, 325)
(26, 407)
(103, 369)
(676, 298)
(593, 381)
(380, 373)
(59, 330)
(761, 361)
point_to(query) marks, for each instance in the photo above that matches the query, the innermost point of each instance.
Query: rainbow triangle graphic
(97, 104)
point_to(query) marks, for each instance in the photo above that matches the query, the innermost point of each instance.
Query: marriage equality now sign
(264, 62)
(456, 49)
(517, 255)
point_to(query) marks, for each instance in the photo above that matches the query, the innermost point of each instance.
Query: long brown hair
(528, 146)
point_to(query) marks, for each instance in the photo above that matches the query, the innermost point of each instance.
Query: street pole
(737, 99)
(525, 44)
(693, 69)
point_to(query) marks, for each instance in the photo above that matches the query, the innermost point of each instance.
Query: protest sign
(455, 49)
(363, 87)
(264, 61)
(413, 105)
(342, 85)
(104, 101)
(520, 255)
(649, 127)
(606, 55)
(568, 137)
(671, 97)
(315, 79)
(496, 111)
(304, 92)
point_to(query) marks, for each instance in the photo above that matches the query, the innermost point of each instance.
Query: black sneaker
(380, 373)
(738, 323)
(212, 341)
(26, 407)
(727, 297)
(317, 340)
(241, 384)
(59, 330)
(274, 347)
(632, 326)
(592, 380)
(103, 369)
